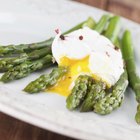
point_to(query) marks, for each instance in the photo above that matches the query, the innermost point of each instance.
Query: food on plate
(134, 79)
(89, 65)
(46, 80)
(8, 63)
(25, 68)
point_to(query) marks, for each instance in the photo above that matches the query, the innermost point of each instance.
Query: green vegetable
(21, 48)
(100, 26)
(89, 23)
(96, 92)
(113, 99)
(8, 63)
(46, 81)
(134, 79)
(79, 91)
(26, 68)
(113, 29)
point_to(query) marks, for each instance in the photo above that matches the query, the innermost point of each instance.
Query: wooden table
(13, 129)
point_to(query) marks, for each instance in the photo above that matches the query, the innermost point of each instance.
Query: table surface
(13, 129)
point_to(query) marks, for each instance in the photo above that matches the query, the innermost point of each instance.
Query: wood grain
(13, 129)
(126, 8)
(96, 3)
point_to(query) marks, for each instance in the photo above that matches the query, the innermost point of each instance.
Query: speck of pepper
(107, 54)
(116, 48)
(62, 37)
(69, 77)
(81, 37)
(57, 31)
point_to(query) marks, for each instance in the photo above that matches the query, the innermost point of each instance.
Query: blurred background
(13, 129)
(127, 8)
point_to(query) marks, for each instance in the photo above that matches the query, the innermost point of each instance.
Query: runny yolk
(76, 67)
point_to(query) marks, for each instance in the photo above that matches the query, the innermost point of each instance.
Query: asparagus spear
(113, 29)
(89, 23)
(46, 80)
(114, 99)
(21, 48)
(133, 77)
(79, 91)
(99, 27)
(26, 68)
(7, 63)
(96, 93)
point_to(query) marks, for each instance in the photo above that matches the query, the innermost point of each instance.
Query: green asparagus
(79, 91)
(113, 29)
(96, 93)
(46, 81)
(26, 68)
(114, 99)
(8, 63)
(89, 23)
(99, 27)
(134, 79)
(21, 48)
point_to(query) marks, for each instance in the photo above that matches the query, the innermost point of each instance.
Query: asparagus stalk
(89, 23)
(99, 27)
(96, 93)
(8, 63)
(114, 99)
(26, 68)
(113, 29)
(78, 92)
(134, 79)
(21, 48)
(46, 80)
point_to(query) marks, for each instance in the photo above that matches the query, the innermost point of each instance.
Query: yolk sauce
(75, 67)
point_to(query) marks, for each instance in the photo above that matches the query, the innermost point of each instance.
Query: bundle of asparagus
(87, 94)
(8, 63)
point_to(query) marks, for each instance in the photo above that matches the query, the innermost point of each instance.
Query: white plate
(30, 21)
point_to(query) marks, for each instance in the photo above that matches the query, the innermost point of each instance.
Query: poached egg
(85, 51)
